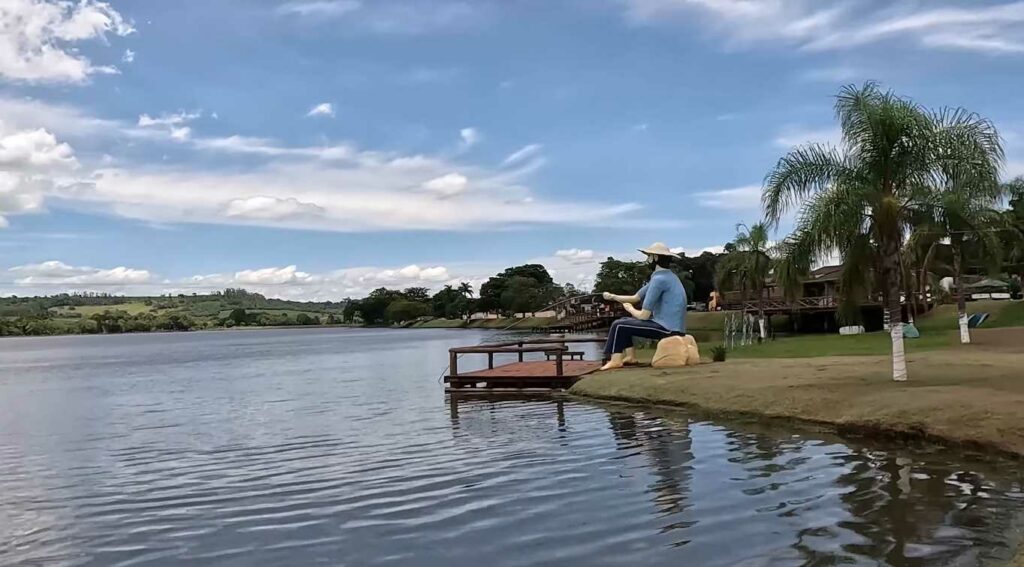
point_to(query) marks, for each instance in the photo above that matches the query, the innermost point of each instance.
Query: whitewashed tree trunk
(965, 332)
(764, 328)
(899, 356)
(961, 299)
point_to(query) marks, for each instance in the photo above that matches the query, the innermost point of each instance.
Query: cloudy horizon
(321, 149)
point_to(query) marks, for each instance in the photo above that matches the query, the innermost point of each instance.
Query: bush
(718, 353)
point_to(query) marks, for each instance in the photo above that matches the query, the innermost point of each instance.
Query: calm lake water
(338, 447)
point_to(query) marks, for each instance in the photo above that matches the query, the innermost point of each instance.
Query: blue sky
(321, 148)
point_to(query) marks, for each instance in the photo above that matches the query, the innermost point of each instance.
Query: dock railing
(556, 346)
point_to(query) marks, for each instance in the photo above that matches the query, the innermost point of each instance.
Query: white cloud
(743, 198)
(60, 274)
(31, 162)
(181, 134)
(65, 121)
(694, 252)
(38, 37)
(271, 208)
(129, 56)
(793, 136)
(469, 136)
(320, 8)
(522, 154)
(808, 24)
(576, 255)
(447, 185)
(34, 149)
(395, 17)
(272, 276)
(357, 190)
(168, 120)
(642, 127)
(322, 109)
(838, 74)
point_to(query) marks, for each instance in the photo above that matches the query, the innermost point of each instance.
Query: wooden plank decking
(534, 374)
(556, 374)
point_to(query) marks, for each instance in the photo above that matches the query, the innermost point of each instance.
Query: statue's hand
(607, 296)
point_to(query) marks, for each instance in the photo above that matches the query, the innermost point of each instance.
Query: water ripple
(327, 456)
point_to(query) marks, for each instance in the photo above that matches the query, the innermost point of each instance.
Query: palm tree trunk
(891, 279)
(961, 302)
(923, 278)
(760, 316)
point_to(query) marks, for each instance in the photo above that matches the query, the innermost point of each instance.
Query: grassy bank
(958, 394)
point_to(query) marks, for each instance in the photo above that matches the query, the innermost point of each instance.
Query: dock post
(558, 362)
(520, 352)
(490, 360)
(453, 363)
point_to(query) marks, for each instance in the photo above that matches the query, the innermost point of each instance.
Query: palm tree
(747, 265)
(466, 289)
(862, 199)
(966, 194)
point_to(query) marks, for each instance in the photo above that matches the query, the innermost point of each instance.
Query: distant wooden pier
(562, 369)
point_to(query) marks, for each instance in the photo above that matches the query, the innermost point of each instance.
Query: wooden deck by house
(556, 373)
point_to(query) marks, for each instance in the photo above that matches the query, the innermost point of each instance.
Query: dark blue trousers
(623, 331)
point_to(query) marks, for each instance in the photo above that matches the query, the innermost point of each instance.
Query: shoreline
(964, 396)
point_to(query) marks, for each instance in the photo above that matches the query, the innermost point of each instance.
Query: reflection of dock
(562, 369)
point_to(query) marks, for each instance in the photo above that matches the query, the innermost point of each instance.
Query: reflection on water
(339, 447)
(741, 494)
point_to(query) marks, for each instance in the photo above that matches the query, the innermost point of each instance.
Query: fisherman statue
(662, 311)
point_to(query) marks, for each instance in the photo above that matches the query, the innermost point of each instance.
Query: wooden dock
(556, 373)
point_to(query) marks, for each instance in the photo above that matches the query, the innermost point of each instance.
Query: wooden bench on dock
(522, 375)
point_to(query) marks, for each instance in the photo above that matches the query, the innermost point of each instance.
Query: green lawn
(440, 324)
(90, 310)
(938, 329)
(1001, 314)
(289, 312)
(807, 346)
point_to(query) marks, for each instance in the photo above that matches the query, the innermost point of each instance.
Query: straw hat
(658, 249)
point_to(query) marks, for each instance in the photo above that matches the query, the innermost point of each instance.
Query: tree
(416, 294)
(238, 316)
(404, 310)
(524, 295)
(493, 290)
(748, 266)
(861, 199)
(621, 276)
(348, 314)
(449, 303)
(374, 307)
(701, 272)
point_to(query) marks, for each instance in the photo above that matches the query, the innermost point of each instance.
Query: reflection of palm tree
(891, 510)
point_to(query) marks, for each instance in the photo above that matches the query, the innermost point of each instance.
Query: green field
(90, 310)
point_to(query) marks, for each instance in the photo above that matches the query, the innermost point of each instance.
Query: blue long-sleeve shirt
(665, 297)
